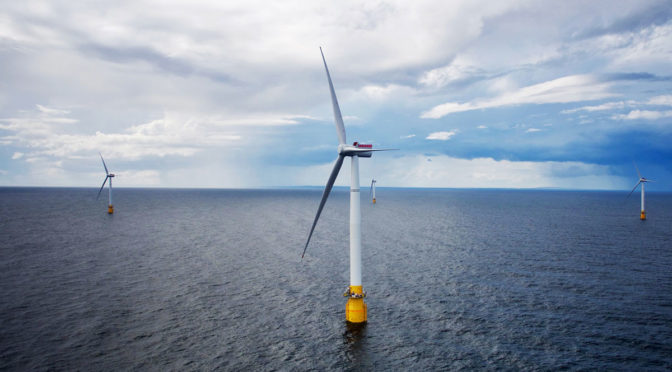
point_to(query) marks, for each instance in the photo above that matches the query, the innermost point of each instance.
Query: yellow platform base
(110, 209)
(642, 216)
(355, 308)
(374, 200)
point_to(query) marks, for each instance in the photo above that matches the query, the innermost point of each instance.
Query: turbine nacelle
(356, 149)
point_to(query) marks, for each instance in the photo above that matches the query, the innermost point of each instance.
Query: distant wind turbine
(641, 181)
(372, 191)
(108, 176)
(355, 308)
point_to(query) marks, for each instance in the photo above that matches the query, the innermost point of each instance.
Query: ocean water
(212, 279)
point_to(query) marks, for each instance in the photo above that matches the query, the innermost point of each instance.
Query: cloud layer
(233, 94)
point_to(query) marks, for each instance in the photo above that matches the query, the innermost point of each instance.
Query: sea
(202, 279)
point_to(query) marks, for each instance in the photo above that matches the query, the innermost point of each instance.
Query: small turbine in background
(372, 191)
(108, 176)
(641, 181)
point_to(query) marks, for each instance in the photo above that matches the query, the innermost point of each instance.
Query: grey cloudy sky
(233, 94)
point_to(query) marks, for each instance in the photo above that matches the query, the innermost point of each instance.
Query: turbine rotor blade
(101, 187)
(381, 149)
(338, 119)
(637, 168)
(101, 158)
(633, 189)
(325, 195)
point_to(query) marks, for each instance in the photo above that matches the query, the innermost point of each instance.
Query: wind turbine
(108, 175)
(642, 181)
(373, 190)
(355, 308)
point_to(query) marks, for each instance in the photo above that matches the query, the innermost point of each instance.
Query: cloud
(532, 130)
(407, 136)
(17, 155)
(665, 100)
(136, 178)
(458, 70)
(51, 111)
(446, 171)
(602, 107)
(643, 114)
(207, 88)
(661, 100)
(42, 134)
(441, 136)
(644, 49)
(573, 88)
(386, 92)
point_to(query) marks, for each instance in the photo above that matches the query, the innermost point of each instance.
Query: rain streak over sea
(213, 279)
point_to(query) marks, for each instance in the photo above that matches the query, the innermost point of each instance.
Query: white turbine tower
(372, 191)
(108, 176)
(641, 181)
(355, 308)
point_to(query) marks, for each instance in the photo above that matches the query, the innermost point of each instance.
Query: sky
(228, 94)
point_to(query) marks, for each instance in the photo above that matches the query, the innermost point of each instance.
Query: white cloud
(168, 136)
(445, 171)
(482, 127)
(602, 107)
(255, 32)
(459, 69)
(139, 178)
(532, 130)
(643, 114)
(661, 100)
(51, 111)
(441, 136)
(17, 155)
(408, 136)
(665, 100)
(197, 81)
(574, 88)
(386, 92)
(642, 50)
(174, 134)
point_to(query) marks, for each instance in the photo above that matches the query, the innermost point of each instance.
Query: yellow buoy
(110, 209)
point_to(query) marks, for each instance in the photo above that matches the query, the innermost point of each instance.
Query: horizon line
(322, 186)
